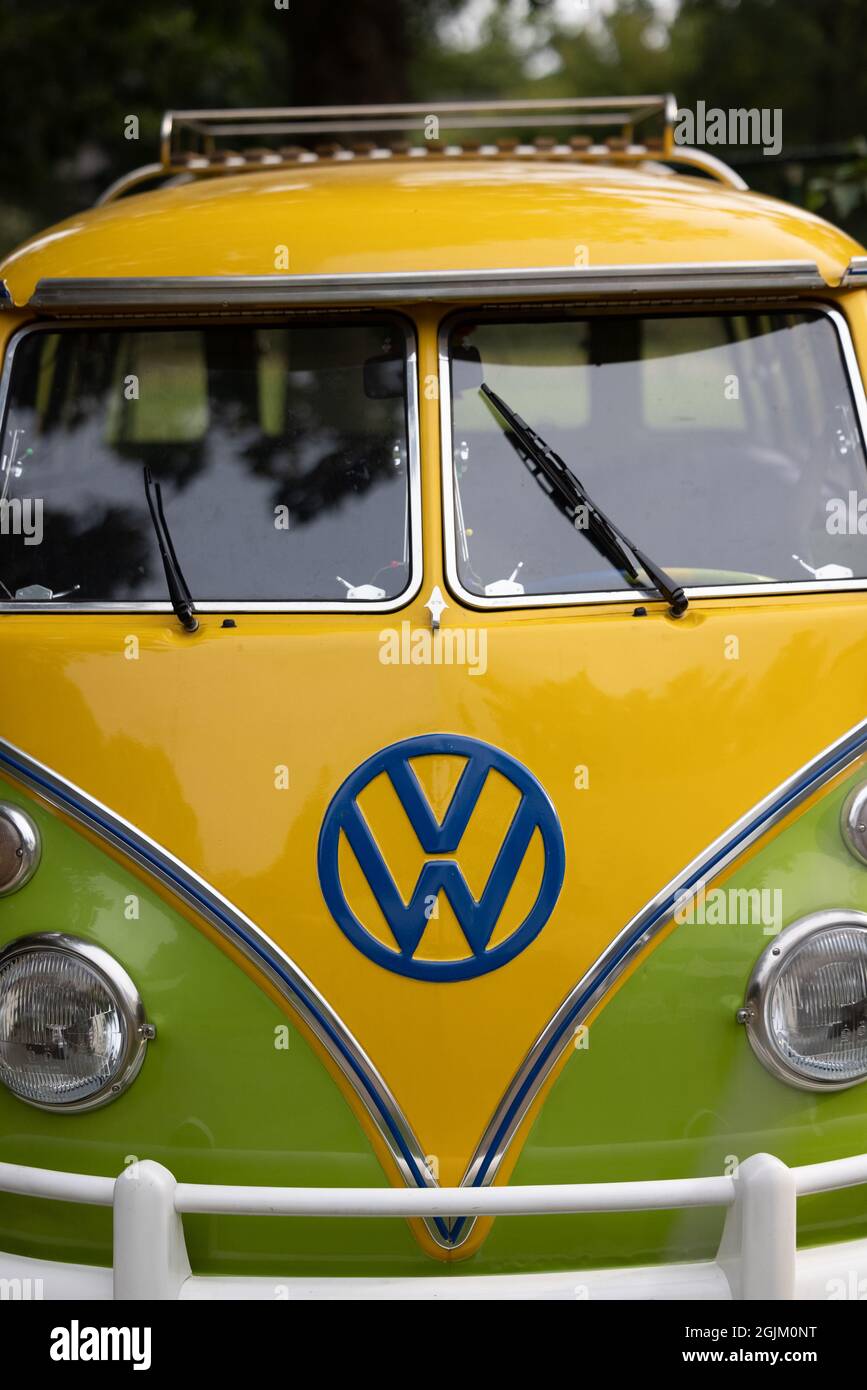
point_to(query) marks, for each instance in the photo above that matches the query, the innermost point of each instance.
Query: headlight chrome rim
(30, 847)
(760, 993)
(853, 822)
(127, 1000)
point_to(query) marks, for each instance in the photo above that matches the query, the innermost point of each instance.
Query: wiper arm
(182, 599)
(602, 532)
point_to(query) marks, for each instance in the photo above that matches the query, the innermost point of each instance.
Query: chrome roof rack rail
(623, 130)
(204, 129)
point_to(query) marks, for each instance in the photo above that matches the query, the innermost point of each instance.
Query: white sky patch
(542, 63)
(464, 30)
(577, 12)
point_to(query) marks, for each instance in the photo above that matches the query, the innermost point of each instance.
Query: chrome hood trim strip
(291, 982)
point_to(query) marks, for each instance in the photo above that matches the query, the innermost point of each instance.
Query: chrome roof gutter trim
(856, 274)
(161, 294)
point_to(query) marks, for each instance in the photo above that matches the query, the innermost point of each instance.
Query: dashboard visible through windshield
(724, 445)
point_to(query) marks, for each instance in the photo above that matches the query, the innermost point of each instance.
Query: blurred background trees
(74, 69)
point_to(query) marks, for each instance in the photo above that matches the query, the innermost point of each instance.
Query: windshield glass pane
(282, 454)
(725, 446)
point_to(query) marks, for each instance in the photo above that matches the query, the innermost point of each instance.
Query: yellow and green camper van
(433, 636)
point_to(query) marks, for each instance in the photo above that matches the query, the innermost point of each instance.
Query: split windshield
(282, 452)
(724, 445)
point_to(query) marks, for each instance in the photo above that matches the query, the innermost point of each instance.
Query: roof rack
(624, 130)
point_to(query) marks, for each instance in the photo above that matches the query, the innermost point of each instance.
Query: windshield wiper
(182, 599)
(601, 531)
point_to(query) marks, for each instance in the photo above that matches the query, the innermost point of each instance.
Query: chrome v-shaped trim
(334, 1035)
(282, 971)
(557, 1034)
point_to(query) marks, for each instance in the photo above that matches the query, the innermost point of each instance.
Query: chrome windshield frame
(229, 605)
(595, 597)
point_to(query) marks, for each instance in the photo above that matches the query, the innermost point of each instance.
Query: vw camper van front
(432, 766)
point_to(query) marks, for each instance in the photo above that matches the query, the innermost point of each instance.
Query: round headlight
(72, 1025)
(806, 1005)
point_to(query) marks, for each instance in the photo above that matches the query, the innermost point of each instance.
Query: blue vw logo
(477, 919)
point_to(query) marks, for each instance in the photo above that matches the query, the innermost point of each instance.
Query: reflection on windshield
(280, 469)
(725, 442)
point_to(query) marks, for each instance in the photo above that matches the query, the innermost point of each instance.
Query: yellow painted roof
(425, 215)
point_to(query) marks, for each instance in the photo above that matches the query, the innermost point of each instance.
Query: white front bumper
(757, 1258)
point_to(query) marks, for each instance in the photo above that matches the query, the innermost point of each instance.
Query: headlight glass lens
(816, 1009)
(63, 1033)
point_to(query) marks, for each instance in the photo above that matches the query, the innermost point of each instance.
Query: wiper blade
(568, 490)
(182, 599)
(601, 531)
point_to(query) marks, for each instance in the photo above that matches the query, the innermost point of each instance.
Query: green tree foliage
(806, 57)
(74, 69)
